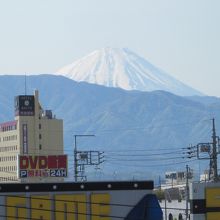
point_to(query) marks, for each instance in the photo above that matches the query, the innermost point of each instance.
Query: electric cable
(73, 201)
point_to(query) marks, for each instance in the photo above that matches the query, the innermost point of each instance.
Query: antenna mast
(25, 84)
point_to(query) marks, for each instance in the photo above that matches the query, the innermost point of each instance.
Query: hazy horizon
(180, 37)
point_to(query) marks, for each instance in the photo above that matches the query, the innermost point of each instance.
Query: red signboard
(42, 166)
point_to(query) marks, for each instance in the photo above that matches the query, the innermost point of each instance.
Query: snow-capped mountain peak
(123, 68)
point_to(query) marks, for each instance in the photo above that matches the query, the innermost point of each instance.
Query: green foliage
(160, 194)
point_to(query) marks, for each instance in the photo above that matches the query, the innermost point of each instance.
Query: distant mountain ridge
(122, 121)
(113, 67)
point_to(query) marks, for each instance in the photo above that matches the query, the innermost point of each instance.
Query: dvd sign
(42, 166)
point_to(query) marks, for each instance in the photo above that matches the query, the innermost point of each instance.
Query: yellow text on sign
(70, 207)
(213, 216)
(212, 197)
(41, 207)
(100, 206)
(59, 207)
(213, 201)
(16, 208)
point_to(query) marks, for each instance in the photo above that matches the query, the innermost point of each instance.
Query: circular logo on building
(26, 102)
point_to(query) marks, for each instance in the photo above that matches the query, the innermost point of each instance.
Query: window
(180, 216)
(170, 216)
(40, 136)
(39, 126)
(40, 146)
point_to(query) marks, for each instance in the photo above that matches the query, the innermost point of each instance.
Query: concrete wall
(174, 207)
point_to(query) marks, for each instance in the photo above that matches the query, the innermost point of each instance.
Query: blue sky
(179, 36)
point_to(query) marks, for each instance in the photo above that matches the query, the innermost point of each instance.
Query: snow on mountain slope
(124, 69)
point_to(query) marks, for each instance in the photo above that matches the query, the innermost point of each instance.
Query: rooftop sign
(24, 105)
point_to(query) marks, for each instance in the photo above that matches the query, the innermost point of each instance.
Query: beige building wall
(39, 134)
(9, 149)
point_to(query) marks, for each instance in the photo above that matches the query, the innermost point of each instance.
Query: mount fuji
(113, 67)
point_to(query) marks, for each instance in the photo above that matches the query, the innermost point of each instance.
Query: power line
(147, 154)
(141, 160)
(146, 150)
(56, 211)
(153, 165)
(74, 201)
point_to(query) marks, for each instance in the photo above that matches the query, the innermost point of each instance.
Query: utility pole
(165, 197)
(75, 154)
(159, 183)
(214, 152)
(211, 150)
(85, 158)
(75, 159)
(187, 191)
